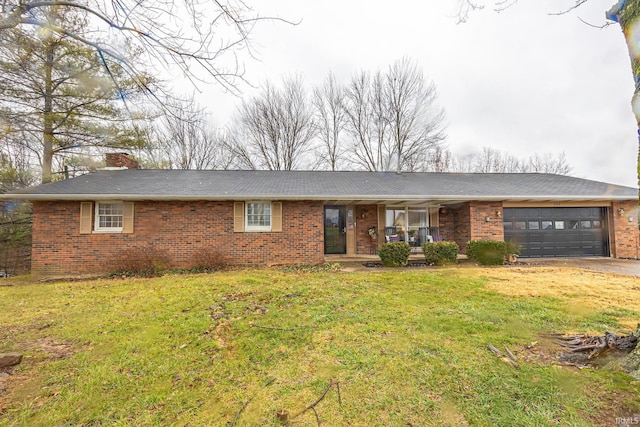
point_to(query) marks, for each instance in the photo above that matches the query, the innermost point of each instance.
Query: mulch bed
(411, 264)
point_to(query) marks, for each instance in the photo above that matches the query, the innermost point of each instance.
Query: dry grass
(583, 290)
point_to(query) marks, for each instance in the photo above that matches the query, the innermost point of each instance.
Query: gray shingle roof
(321, 185)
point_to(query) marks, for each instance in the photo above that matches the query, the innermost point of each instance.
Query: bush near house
(147, 261)
(440, 253)
(395, 254)
(208, 259)
(490, 252)
(144, 261)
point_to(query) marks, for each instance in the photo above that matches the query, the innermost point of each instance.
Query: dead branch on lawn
(322, 396)
(274, 328)
(242, 408)
(245, 404)
(509, 359)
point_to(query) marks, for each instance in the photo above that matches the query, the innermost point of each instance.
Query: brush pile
(598, 345)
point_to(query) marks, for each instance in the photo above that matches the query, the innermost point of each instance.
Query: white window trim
(257, 228)
(96, 221)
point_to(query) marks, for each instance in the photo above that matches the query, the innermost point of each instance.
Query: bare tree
(491, 160)
(366, 122)
(273, 130)
(393, 119)
(328, 100)
(439, 160)
(466, 7)
(415, 123)
(183, 138)
(196, 37)
(548, 163)
(465, 163)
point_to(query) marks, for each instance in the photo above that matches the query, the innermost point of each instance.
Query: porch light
(621, 211)
(630, 219)
(499, 214)
(487, 219)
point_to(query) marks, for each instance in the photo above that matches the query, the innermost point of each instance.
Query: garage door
(558, 232)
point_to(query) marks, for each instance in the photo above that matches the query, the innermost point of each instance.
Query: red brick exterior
(180, 230)
(469, 222)
(624, 236)
(366, 217)
(177, 229)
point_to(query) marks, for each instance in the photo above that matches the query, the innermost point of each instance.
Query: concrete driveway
(627, 267)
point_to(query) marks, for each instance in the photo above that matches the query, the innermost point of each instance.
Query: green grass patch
(235, 347)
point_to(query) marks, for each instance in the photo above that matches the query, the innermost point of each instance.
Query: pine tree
(58, 96)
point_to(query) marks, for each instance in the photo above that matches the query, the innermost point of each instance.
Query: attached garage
(558, 231)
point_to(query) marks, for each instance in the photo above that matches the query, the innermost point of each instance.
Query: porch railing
(416, 236)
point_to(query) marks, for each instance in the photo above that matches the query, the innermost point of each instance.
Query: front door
(335, 230)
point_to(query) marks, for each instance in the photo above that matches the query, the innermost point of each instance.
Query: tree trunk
(626, 13)
(47, 114)
(631, 364)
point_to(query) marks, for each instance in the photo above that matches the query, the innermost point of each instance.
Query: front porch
(355, 230)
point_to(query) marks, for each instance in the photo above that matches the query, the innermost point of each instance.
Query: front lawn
(396, 348)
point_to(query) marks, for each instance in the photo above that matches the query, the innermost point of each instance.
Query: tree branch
(322, 396)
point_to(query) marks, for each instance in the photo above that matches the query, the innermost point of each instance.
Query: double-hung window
(258, 216)
(106, 217)
(109, 216)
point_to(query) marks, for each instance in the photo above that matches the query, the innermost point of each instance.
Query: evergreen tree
(58, 96)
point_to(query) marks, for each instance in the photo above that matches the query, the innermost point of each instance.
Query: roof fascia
(395, 197)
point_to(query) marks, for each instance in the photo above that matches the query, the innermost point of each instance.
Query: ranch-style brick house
(82, 224)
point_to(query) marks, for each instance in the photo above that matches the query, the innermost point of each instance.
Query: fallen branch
(322, 396)
(495, 351)
(235, 419)
(245, 404)
(509, 360)
(274, 328)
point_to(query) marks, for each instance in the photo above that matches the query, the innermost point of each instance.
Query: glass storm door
(335, 230)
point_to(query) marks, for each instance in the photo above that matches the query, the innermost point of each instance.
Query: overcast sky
(520, 80)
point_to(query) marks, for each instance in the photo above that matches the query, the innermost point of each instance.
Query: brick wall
(481, 229)
(624, 239)
(468, 222)
(447, 223)
(366, 217)
(177, 229)
(181, 229)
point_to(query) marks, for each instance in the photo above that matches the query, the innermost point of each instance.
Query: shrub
(487, 252)
(440, 253)
(512, 248)
(395, 254)
(145, 261)
(207, 259)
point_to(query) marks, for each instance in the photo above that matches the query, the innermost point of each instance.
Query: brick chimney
(120, 160)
